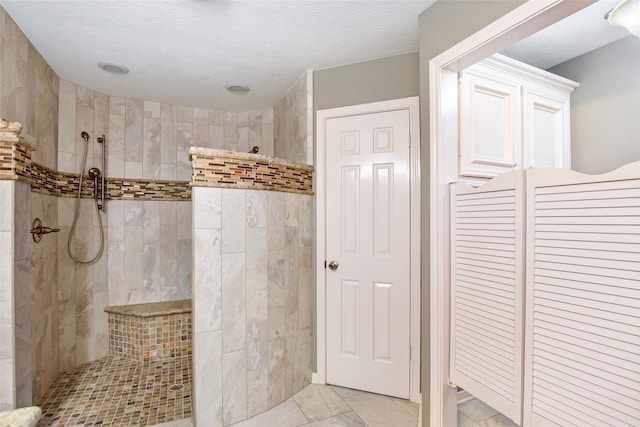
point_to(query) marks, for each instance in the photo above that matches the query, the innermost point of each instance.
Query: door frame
(523, 21)
(411, 104)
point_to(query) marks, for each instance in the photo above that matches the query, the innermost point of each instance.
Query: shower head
(85, 136)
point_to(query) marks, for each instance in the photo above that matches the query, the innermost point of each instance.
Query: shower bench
(150, 332)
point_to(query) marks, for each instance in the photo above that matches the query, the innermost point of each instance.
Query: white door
(368, 239)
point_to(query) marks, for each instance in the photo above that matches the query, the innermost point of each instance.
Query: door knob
(333, 266)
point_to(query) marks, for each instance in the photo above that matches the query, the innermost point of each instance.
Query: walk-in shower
(99, 199)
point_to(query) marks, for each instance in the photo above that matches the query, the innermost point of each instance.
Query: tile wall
(293, 114)
(148, 243)
(82, 288)
(252, 301)
(15, 299)
(15, 277)
(44, 296)
(7, 311)
(29, 95)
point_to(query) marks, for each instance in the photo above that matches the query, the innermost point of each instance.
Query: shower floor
(113, 391)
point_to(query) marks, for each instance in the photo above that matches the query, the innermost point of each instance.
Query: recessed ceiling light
(237, 89)
(112, 67)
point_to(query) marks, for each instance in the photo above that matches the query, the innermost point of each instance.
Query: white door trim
(514, 26)
(412, 104)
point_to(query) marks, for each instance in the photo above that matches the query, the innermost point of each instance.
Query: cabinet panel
(489, 126)
(546, 128)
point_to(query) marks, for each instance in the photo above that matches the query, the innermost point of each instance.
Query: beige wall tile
(290, 116)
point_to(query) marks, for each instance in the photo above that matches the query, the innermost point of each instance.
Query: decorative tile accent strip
(6, 159)
(16, 163)
(143, 189)
(228, 169)
(64, 184)
(150, 333)
(211, 168)
(15, 157)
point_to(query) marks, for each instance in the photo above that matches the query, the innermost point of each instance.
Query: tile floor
(476, 413)
(113, 391)
(297, 412)
(323, 406)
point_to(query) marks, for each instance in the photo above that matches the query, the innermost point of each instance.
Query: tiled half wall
(252, 301)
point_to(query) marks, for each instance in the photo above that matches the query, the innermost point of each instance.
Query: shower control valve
(38, 230)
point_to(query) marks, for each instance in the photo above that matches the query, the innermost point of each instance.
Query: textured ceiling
(575, 35)
(185, 52)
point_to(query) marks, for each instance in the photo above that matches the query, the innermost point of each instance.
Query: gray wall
(605, 109)
(442, 26)
(370, 81)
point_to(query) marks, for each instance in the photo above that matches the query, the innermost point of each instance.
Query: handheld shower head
(95, 174)
(85, 136)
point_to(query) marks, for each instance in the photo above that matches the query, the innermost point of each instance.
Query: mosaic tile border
(228, 169)
(15, 157)
(16, 163)
(211, 168)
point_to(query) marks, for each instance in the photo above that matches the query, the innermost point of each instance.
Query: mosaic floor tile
(114, 391)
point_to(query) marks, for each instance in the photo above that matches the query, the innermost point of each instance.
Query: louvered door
(582, 364)
(487, 291)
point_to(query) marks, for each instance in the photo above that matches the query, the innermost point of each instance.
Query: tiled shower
(149, 250)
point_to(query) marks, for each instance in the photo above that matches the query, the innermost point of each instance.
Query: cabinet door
(490, 110)
(546, 129)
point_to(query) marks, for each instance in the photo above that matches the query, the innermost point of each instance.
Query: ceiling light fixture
(626, 15)
(237, 89)
(112, 67)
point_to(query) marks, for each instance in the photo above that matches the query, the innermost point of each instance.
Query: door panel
(350, 315)
(383, 195)
(368, 231)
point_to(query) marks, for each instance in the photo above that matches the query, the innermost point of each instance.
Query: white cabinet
(512, 116)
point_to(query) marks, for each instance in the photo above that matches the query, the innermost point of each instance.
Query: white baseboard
(464, 396)
(315, 379)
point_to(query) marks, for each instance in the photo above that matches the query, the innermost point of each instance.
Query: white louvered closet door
(582, 350)
(487, 291)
